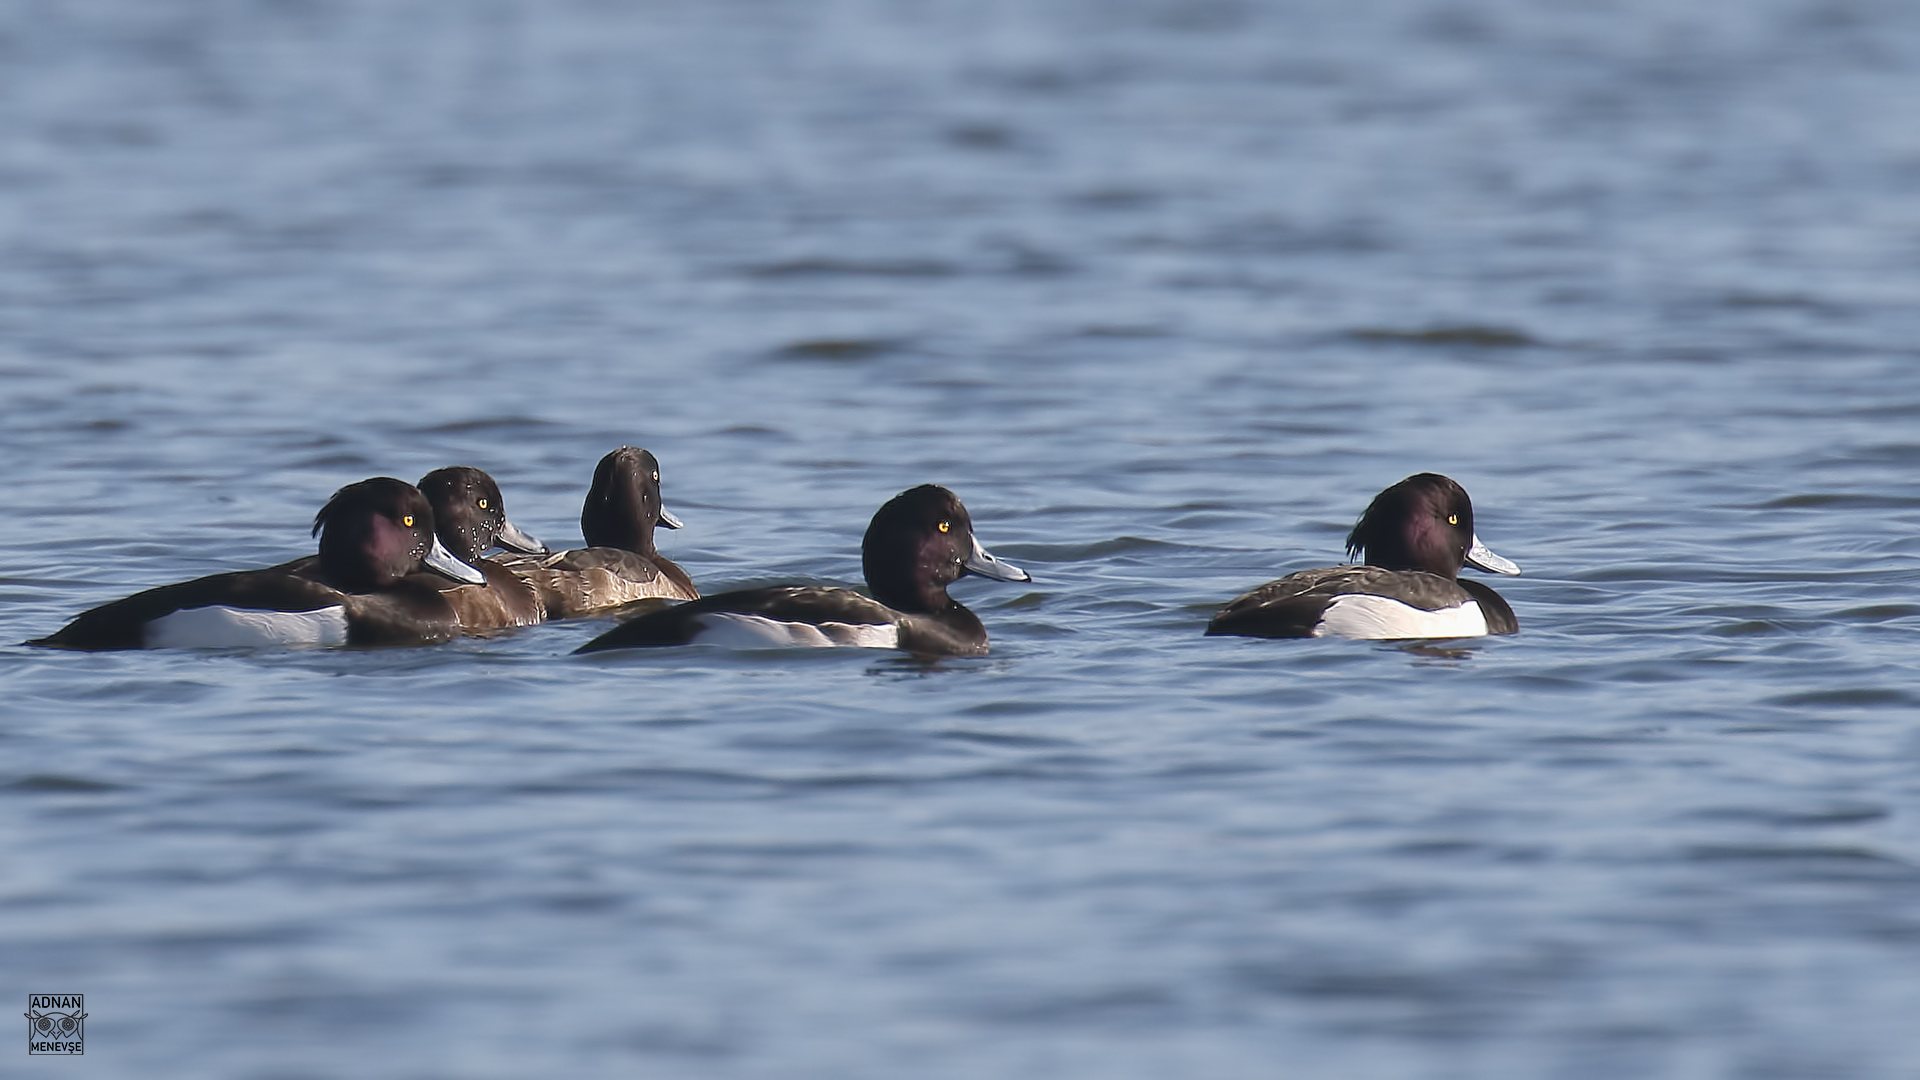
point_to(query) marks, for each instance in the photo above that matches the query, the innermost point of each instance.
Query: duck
(373, 583)
(619, 565)
(917, 544)
(1411, 544)
(470, 518)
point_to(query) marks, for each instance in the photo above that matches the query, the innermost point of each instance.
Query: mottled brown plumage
(620, 565)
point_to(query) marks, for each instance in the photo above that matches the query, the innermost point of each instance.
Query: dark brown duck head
(920, 542)
(623, 505)
(378, 531)
(469, 515)
(1424, 522)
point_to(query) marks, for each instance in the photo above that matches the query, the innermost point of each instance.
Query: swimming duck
(1412, 541)
(619, 564)
(920, 542)
(376, 541)
(470, 517)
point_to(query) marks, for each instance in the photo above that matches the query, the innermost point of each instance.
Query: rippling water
(1165, 291)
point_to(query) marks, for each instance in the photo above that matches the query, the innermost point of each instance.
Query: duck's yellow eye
(483, 504)
(943, 526)
(1453, 519)
(407, 521)
(656, 476)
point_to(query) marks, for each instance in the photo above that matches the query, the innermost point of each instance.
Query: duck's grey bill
(439, 558)
(514, 538)
(1479, 556)
(982, 562)
(668, 520)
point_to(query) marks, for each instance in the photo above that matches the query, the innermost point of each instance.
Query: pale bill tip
(1479, 555)
(982, 562)
(439, 558)
(515, 538)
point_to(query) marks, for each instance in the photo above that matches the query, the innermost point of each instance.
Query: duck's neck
(904, 592)
(353, 566)
(1427, 555)
(619, 522)
(932, 603)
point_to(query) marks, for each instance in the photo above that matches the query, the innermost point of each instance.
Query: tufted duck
(917, 544)
(619, 564)
(1413, 540)
(376, 541)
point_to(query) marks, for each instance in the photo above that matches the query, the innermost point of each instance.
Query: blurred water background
(1165, 291)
